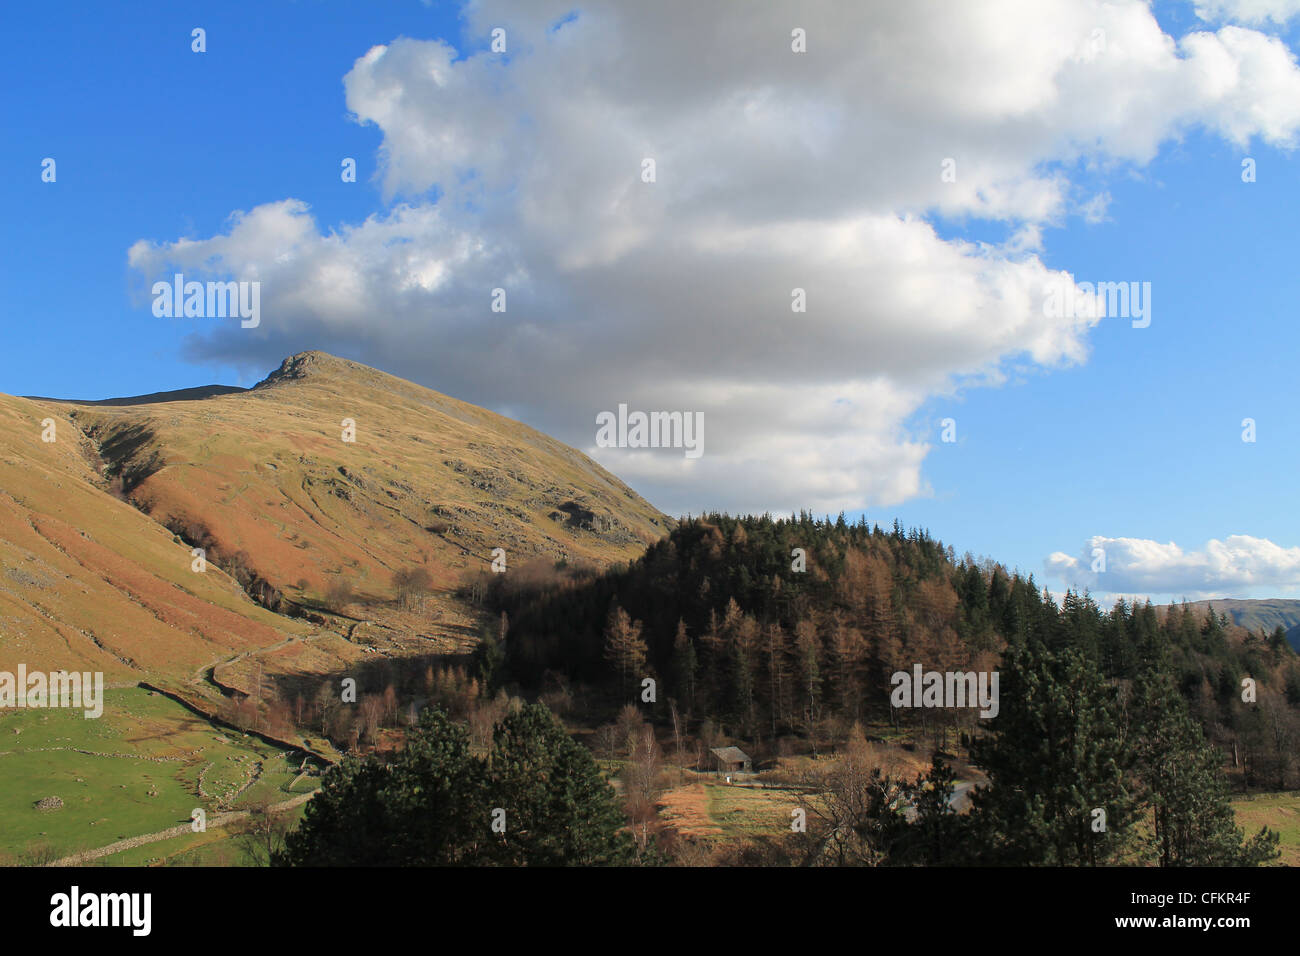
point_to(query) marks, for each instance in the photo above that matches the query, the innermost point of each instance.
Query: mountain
(176, 395)
(303, 531)
(1256, 616)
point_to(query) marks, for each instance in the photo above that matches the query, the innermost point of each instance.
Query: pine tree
(412, 813)
(712, 655)
(937, 834)
(778, 672)
(559, 810)
(1215, 640)
(849, 651)
(743, 641)
(1183, 784)
(1056, 754)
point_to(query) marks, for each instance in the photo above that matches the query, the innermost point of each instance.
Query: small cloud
(1094, 210)
(1248, 11)
(1237, 564)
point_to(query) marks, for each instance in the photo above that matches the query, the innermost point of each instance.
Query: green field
(141, 772)
(217, 847)
(744, 813)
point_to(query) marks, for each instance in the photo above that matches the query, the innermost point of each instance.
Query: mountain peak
(307, 365)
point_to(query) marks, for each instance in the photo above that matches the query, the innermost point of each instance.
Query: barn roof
(730, 754)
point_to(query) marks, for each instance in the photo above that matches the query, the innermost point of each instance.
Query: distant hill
(176, 395)
(1262, 615)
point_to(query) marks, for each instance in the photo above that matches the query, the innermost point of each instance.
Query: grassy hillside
(1278, 811)
(304, 535)
(96, 527)
(87, 581)
(428, 480)
(141, 768)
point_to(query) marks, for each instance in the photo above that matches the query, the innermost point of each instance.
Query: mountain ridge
(306, 529)
(196, 393)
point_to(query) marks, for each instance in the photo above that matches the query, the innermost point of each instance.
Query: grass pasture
(1277, 811)
(216, 847)
(141, 767)
(704, 808)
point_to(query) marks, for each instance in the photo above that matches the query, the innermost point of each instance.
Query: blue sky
(152, 139)
(1140, 441)
(1144, 440)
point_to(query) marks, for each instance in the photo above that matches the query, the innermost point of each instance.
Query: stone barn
(732, 760)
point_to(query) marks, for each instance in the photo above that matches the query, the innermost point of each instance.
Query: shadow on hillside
(122, 449)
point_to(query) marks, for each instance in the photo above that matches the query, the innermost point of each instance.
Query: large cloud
(774, 170)
(1237, 564)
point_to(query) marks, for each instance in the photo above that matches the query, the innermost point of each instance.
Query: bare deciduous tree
(411, 585)
(372, 713)
(642, 780)
(624, 647)
(855, 807)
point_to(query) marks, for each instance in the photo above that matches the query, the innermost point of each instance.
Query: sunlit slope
(96, 527)
(428, 481)
(88, 582)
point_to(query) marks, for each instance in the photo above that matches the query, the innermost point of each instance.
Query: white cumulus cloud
(1238, 564)
(774, 170)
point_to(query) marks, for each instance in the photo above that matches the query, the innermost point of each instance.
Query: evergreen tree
(743, 641)
(1183, 784)
(937, 834)
(559, 810)
(412, 813)
(490, 653)
(778, 672)
(435, 803)
(808, 650)
(1055, 755)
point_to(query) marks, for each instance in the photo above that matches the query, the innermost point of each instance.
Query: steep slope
(96, 528)
(426, 480)
(88, 582)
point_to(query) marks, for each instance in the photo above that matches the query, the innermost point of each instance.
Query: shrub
(338, 594)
